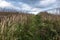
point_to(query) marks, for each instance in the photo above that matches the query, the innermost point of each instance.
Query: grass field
(21, 26)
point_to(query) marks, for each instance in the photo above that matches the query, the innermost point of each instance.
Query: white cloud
(24, 6)
(45, 3)
(28, 8)
(4, 3)
(35, 10)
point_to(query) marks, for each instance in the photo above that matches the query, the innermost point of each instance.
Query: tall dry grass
(12, 25)
(28, 27)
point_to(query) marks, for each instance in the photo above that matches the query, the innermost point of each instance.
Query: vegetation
(29, 27)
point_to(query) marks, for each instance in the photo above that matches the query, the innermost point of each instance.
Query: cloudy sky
(31, 6)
